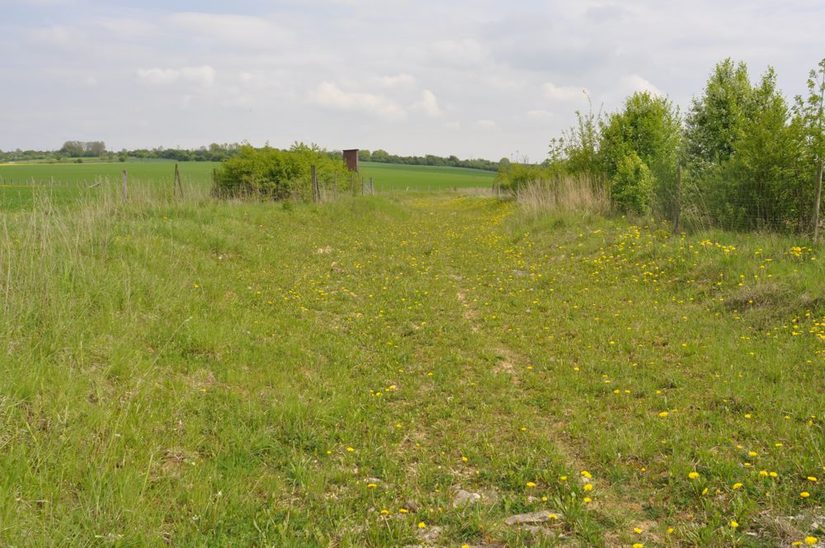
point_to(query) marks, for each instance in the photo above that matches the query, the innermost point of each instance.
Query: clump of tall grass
(49, 249)
(564, 194)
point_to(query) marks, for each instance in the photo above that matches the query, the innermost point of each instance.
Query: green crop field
(404, 177)
(64, 183)
(403, 369)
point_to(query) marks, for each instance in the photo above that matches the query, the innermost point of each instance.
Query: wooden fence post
(125, 188)
(677, 214)
(178, 187)
(316, 189)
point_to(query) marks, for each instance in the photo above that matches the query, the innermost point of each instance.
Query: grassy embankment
(195, 372)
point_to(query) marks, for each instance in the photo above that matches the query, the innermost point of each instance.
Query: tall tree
(811, 113)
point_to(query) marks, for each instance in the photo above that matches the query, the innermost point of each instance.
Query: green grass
(22, 185)
(197, 372)
(424, 178)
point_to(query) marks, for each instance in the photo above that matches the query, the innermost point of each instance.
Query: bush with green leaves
(278, 174)
(631, 187)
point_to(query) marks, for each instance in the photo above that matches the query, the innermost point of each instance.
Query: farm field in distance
(424, 178)
(407, 368)
(65, 183)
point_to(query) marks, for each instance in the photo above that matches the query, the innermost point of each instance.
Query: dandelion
(637, 530)
(752, 453)
(586, 474)
(670, 530)
(737, 485)
(552, 516)
(421, 525)
(464, 459)
(372, 485)
(531, 484)
(804, 494)
(402, 511)
(350, 450)
(562, 478)
(693, 475)
(385, 512)
(812, 479)
(734, 524)
(773, 474)
(663, 414)
(587, 500)
(810, 541)
(704, 491)
(638, 545)
(763, 473)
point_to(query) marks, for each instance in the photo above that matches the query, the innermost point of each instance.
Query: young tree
(811, 114)
(715, 120)
(649, 127)
(761, 183)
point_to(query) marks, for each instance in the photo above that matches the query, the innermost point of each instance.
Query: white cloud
(203, 76)
(428, 104)
(243, 31)
(634, 82)
(539, 114)
(402, 80)
(331, 96)
(563, 93)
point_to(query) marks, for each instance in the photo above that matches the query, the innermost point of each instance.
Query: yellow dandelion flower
(752, 453)
(804, 494)
(812, 479)
(586, 474)
(402, 510)
(531, 484)
(350, 450)
(763, 473)
(737, 485)
(587, 500)
(734, 524)
(637, 530)
(385, 512)
(421, 525)
(663, 414)
(810, 541)
(588, 486)
(638, 545)
(562, 478)
(693, 475)
(552, 516)
(670, 530)
(773, 474)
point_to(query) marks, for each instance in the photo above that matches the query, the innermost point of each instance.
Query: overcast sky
(475, 78)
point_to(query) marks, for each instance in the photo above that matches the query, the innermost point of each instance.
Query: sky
(474, 78)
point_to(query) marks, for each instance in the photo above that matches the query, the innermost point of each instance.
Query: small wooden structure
(351, 159)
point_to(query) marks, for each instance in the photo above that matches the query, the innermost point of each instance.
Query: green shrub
(278, 174)
(632, 186)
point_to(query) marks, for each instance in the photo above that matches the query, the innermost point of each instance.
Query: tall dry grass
(46, 249)
(563, 195)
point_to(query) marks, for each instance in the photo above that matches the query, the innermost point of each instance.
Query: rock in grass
(532, 518)
(464, 498)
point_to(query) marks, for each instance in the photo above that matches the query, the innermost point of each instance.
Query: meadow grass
(398, 177)
(202, 372)
(24, 185)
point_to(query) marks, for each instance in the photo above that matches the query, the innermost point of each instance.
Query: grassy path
(337, 375)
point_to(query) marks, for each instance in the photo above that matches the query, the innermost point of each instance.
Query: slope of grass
(224, 373)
